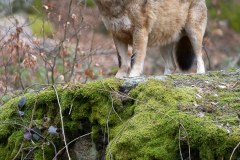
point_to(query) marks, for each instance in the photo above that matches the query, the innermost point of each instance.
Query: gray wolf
(177, 26)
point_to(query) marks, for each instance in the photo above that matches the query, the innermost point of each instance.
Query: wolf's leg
(140, 40)
(167, 54)
(195, 29)
(123, 58)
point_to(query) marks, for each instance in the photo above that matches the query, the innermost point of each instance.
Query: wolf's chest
(119, 24)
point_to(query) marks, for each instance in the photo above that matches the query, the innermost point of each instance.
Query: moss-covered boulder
(162, 117)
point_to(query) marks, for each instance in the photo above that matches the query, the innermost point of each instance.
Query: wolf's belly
(161, 38)
(160, 34)
(166, 29)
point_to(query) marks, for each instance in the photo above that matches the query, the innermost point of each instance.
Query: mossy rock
(171, 117)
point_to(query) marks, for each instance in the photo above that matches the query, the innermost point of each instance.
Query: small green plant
(89, 3)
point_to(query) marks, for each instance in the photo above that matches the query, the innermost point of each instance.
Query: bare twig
(18, 32)
(235, 61)
(62, 123)
(90, 55)
(16, 156)
(234, 151)
(209, 60)
(60, 45)
(179, 143)
(33, 111)
(71, 143)
(76, 50)
(29, 153)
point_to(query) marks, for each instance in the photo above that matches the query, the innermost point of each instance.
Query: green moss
(232, 13)
(45, 152)
(90, 3)
(7, 112)
(145, 133)
(146, 125)
(81, 105)
(13, 145)
(36, 8)
(229, 10)
(144, 137)
(153, 131)
(40, 27)
(230, 99)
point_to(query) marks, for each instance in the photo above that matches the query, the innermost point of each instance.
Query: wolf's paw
(136, 70)
(200, 71)
(134, 74)
(121, 75)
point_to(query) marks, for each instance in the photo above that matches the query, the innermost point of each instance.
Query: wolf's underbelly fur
(161, 38)
(160, 34)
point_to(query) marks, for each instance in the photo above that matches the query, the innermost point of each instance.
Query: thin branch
(62, 123)
(71, 143)
(19, 58)
(33, 111)
(16, 156)
(29, 153)
(209, 60)
(179, 143)
(112, 103)
(74, 59)
(234, 151)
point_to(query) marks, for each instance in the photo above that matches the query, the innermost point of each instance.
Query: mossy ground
(155, 120)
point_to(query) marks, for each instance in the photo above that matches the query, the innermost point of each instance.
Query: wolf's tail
(184, 53)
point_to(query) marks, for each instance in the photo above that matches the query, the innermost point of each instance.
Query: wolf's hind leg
(167, 54)
(195, 29)
(123, 58)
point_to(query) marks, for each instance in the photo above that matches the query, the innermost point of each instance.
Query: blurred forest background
(57, 41)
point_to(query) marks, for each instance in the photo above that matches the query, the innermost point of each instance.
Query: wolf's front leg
(123, 58)
(140, 40)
